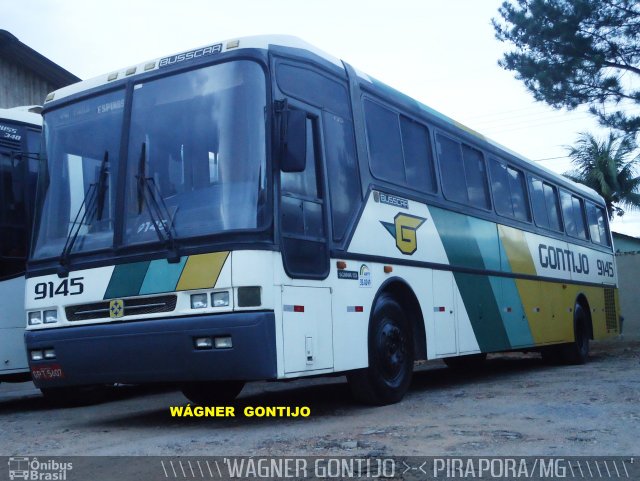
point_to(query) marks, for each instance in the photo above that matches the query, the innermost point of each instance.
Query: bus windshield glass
(78, 191)
(197, 153)
(195, 162)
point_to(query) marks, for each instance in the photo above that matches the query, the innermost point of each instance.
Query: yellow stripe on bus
(202, 271)
(517, 250)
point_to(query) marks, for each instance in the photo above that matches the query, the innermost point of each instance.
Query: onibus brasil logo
(34, 469)
(404, 229)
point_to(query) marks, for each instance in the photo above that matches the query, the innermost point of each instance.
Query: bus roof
(265, 42)
(29, 114)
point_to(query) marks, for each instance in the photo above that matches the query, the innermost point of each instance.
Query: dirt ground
(516, 405)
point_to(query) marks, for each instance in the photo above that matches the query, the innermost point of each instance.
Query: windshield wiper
(92, 207)
(158, 212)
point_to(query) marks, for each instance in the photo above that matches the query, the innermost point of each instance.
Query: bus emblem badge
(116, 308)
(404, 230)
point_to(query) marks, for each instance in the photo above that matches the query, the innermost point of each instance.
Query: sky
(441, 52)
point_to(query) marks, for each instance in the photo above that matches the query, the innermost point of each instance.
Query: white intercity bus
(256, 209)
(19, 146)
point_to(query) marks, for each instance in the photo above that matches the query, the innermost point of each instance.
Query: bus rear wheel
(578, 351)
(210, 393)
(388, 376)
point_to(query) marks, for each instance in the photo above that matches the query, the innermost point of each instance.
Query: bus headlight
(51, 316)
(37, 355)
(35, 318)
(198, 301)
(220, 299)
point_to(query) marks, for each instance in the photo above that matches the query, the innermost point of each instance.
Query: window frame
(544, 182)
(483, 158)
(430, 162)
(526, 196)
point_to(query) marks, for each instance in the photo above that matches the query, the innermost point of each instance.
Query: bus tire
(578, 351)
(469, 362)
(211, 393)
(391, 355)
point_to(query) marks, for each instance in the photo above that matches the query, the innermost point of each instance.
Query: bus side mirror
(294, 142)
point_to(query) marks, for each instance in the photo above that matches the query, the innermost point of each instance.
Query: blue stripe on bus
(162, 276)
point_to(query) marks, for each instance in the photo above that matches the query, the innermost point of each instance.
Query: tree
(608, 167)
(577, 52)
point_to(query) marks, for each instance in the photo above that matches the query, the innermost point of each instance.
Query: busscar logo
(404, 229)
(116, 308)
(191, 55)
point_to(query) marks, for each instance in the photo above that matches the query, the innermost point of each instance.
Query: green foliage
(608, 167)
(576, 52)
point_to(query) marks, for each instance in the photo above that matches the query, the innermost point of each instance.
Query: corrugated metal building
(26, 77)
(628, 261)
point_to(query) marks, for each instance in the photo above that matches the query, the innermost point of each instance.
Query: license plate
(47, 373)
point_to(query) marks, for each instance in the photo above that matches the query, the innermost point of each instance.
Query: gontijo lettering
(563, 259)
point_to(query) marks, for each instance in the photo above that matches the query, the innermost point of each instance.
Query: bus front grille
(133, 306)
(610, 310)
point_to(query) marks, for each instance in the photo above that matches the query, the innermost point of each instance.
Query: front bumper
(157, 350)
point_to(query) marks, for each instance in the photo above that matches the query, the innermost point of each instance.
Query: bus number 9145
(605, 268)
(67, 287)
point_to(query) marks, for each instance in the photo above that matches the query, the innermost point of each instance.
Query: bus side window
(553, 206)
(418, 160)
(546, 207)
(518, 195)
(500, 187)
(573, 215)
(399, 148)
(578, 215)
(597, 224)
(385, 145)
(476, 176)
(464, 175)
(567, 212)
(452, 169)
(602, 226)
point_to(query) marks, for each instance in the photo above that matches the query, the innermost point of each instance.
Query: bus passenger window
(553, 207)
(546, 207)
(450, 158)
(500, 187)
(418, 160)
(476, 176)
(385, 146)
(573, 215)
(518, 195)
(567, 212)
(597, 224)
(578, 216)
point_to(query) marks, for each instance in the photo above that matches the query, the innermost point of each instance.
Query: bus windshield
(18, 171)
(198, 138)
(195, 161)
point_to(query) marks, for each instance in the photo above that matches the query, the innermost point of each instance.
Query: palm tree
(608, 167)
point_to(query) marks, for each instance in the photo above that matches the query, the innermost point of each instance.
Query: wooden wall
(19, 86)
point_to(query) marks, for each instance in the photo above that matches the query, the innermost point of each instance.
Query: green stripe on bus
(477, 293)
(126, 280)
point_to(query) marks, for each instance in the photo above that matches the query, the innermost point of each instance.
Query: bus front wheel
(388, 376)
(210, 393)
